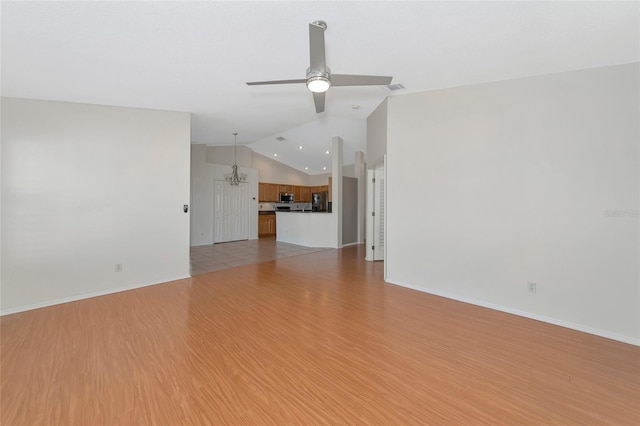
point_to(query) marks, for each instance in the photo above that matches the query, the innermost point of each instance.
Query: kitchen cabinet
(266, 225)
(285, 188)
(305, 194)
(319, 188)
(262, 191)
(268, 192)
(302, 194)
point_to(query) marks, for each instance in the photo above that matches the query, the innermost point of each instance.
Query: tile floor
(215, 257)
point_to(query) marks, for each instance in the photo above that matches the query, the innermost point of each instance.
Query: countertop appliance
(286, 197)
(320, 201)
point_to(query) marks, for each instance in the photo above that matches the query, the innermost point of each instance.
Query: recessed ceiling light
(275, 155)
(324, 168)
(306, 168)
(300, 147)
(355, 106)
(327, 152)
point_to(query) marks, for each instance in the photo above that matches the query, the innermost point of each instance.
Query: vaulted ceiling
(197, 56)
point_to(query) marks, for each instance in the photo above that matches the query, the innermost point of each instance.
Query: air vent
(394, 87)
(280, 138)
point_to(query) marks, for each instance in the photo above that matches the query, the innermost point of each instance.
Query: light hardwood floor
(312, 339)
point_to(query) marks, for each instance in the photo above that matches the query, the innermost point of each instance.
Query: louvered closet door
(230, 212)
(378, 220)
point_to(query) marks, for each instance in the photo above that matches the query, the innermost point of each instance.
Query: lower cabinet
(266, 225)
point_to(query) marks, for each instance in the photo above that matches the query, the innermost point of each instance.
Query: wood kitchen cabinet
(305, 194)
(302, 194)
(262, 191)
(285, 188)
(268, 192)
(266, 225)
(319, 188)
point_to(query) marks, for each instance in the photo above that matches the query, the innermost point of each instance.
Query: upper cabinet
(305, 194)
(285, 188)
(268, 192)
(320, 188)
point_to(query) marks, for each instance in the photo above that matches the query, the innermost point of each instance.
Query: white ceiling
(197, 56)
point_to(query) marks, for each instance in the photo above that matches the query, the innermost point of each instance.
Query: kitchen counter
(310, 229)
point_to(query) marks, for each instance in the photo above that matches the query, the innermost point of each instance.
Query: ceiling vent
(280, 138)
(394, 87)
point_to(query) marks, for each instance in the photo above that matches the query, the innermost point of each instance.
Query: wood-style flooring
(312, 339)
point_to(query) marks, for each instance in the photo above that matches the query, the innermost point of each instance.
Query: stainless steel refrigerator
(319, 201)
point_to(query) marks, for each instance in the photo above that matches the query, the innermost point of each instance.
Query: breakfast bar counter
(309, 229)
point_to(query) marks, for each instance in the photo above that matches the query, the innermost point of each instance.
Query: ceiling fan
(319, 77)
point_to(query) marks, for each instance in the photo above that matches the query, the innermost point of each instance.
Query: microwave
(286, 197)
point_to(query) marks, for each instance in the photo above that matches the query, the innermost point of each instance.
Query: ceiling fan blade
(359, 80)
(318, 99)
(257, 83)
(316, 46)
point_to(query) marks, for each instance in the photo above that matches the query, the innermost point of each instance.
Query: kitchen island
(309, 229)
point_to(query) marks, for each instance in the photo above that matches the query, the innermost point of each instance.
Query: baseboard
(525, 314)
(60, 301)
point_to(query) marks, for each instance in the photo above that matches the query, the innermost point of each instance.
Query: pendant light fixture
(234, 178)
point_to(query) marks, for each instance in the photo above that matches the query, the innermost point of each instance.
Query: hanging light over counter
(234, 178)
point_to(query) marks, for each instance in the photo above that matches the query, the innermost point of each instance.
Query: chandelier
(235, 178)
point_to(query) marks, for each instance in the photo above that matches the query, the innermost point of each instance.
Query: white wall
(377, 135)
(86, 187)
(318, 180)
(227, 155)
(201, 197)
(203, 175)
(495, 185)
(275, 172)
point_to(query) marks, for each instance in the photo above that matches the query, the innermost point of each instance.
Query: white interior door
(230, 212)
(375, 214)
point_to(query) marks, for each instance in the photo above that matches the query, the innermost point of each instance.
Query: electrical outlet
(118, 267)
(532, 287)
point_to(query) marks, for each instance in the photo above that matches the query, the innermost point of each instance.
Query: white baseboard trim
(554, 321)
(60, 301)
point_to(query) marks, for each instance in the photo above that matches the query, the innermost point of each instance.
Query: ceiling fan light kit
(319, 78)
(318, 84)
